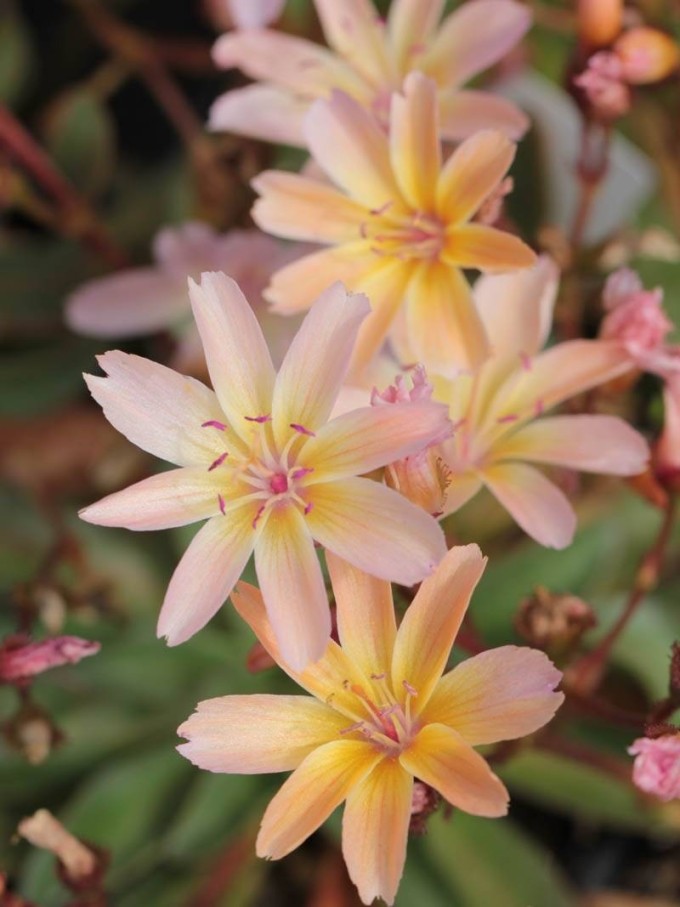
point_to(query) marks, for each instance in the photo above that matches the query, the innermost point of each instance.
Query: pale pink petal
(347, 142)
(187, 249)
(376, 529)
(410, 25)
(463, 113)
(517, 308)
(354, 30)
(370, 437)
(375, 828)
(300, 208)
(295, 287)
(255, 13)
(238, 360)
(317, 360)
(156, 408)
(264, 112)
(128, 304)
(163, 501)
(501, 694)
(475, 37)
(472, 173)
(486, 249)
(430, 625)
(292, 585)
(365, 615)
(313, 791)
(441, 758)
(205, 576)
(535, 503)
(604, 444)
(461, 489)
(300, 66)
(415, 151)
(255, 734)
(667, 451)
(444, 328)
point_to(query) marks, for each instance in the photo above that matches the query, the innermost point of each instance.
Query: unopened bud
(554, 623)
(32, 733)
(599, 21)
(666, 452)
(20, 659)
(647, 55)
(422, 478)
(81, 867)
(424, 802)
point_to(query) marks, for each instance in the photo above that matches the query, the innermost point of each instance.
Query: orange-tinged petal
(594, 443)
(353, 29)
(410, 24)
(347, 142)
(535, 503)
(385, 285)
(461, 489)
(319, 784)
(472, 173)
(375, 831)
(501, 694)
(292, 585)
(262, 111)
(430, 625)
(376, 529)
(156, 408)
(415, 150)
(365, 615)
(259, 733)
(206, 574)
(444, 328)
(317, 360)
(487, 249)
(236, 353)
(441, 758)
(300, 208)
(463, 113)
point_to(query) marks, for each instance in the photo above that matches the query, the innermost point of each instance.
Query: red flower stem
(591, 170)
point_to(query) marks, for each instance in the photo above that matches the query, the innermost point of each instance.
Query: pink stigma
(218, 462)
(213, 423)
(302, 430)
(260, 419)
(278, 483)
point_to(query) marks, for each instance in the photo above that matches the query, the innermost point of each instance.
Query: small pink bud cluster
(21, 660)
(634, 315)
(657, 766)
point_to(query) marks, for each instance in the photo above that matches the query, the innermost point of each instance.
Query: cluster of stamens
(403, 236)
(387, 722)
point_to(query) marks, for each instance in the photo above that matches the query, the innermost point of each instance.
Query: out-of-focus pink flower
(399, 226)
(369, 59)
(657, 765)
(380, 715)
(226, 14)
(635, 317)
(667, 450)
(605, 86)
(143, 300)
(261, 462)
(21, 660)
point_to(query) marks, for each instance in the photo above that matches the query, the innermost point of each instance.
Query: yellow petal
(486, 249)
(415, 150)
(472, 173)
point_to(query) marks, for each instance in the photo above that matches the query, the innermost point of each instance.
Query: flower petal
(255, 13)
(317, 361)
(534, 503)
(475, 37)
(156, 408)
(430, 625)
(376, 529)
(373, 436)
(375, 831)
(487, 249)
(472, 173)
(365, 614)
(256, 734)
(355, 32)
(501, 694)
(238, 360)
(463, 113)
(441, 758)
(134, 302)
(264, 112)
(603, 444)
(313, 791)
(205, 576)
(443, 325)
(292, 586)
(347, 142)
(415, 151)
(410, 24)
(299, 208)
(163, 501)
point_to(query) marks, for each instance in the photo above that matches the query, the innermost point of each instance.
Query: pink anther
(260, 419)
(218, 462)
(213, 423)
(302, 430)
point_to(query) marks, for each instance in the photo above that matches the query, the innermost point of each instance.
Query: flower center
(278, 483)
(383, 717)
(415, 235)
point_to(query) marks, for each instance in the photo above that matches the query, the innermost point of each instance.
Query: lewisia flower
(400, 229)
(259, 460)
(142, 300)
(369, 60)
(657, 766)
(498, 411)
(382, 714)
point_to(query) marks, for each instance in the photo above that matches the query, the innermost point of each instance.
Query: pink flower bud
(604, 86)
(599, 21)
(667, 450)
(657, 766)
(422, 478)
(635, 317)
(646, 55)
(421, 389)
(20, 660)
